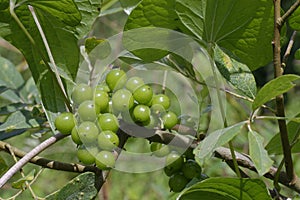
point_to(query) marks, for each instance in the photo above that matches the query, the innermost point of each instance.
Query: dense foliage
(199, 97)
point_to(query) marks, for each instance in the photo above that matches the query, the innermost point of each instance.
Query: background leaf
(226, 189)
(19, 184)
(248, 38)
(216, 139)
(258, 154)
(81, 186)
(236, 73)
(273, 88)
(294, 20)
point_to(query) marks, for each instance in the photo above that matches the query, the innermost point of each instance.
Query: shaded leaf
(19, 120)
(294, 20)
(238, 74)
(273, 88)
(274, 146)
(19, 184)
(297, 54)
(214, 21)
(226, 189)
(81, 187)
(9, 76)
(216, 139)
(258, 154)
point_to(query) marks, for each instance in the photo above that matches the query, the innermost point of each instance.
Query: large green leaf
(273, 88)
(89, 10)
(81, 187)
(258, 154)
(240, 26)
(236, 73)
(217, 139)
(226, 189)
(64, 10)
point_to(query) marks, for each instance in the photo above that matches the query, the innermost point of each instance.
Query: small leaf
(19, 120)
(81, 187)
(226, 189)
(19, 184)
(217, 139)
(238, 74)
(9, 76)
(293, 127)
(258, 154)
(273, 88)
(294, 20)
(297, 54)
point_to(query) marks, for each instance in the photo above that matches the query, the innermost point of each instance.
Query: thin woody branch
(280, 110)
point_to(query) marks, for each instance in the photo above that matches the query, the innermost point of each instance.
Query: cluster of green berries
(181, 169)
(94, 125)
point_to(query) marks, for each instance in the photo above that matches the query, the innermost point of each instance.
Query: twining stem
(280, 110)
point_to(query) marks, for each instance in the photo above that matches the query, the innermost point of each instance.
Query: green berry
(134, 83)
(81, 93)
(191, 169)
(65, 122)
(105, 160)
(159, 150)
(101, 99)
(88, 132)
(143, 94)
(177, 182)
(169, 120)
(141, 113)
(75, 137)
(87, 111)
(122, 100)
(86, 156)
(108, 121)
(116, 79)
(162, 100)
(108, 140)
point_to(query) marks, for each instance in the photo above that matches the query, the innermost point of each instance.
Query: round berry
(108, 121)
(159, 150)
(141, 113)
(177, 182)
(88, 132)
(87, 111)
(75, 137)
(191, 169)
(103, 87)
(108, 140)
(158, 109)
(105, 160)
(116, 79)
(86, 156)
(122, 100)
(81, 93)
(101, 99)
(65, 122)
(143, 94)
(162, 100)
(174, 163)
(134, 83)
(169, 120)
